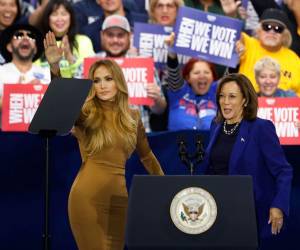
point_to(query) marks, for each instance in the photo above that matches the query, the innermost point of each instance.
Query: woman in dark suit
(243, 144)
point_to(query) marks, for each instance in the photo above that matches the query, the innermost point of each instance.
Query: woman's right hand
(276, 220)
(53, 53)
(169, 41)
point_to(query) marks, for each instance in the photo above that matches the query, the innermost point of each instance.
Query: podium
(56, 114)
(149, 222)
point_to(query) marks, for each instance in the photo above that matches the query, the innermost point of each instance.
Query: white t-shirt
(9, 73)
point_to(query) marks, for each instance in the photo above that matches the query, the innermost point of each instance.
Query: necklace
(231, 131)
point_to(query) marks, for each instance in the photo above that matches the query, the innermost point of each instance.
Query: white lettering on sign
(186, 31)
(136, 89)
(22, 107)
(16, 108)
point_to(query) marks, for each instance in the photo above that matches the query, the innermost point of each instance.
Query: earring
(245, 105)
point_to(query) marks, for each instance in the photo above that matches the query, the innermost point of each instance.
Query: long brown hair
(92, 121)
(248, 92)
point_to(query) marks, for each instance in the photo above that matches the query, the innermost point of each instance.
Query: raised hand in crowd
(67, 50)
(169, 41)
(294, 6)
(53, 53)
(36, 16)
(154, 91)
(233, 8)
(240, 47)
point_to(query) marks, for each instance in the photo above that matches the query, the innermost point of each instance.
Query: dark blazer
(257, 152)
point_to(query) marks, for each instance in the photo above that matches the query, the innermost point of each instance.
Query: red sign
(138, 73)
(20, 102)
(284, 113)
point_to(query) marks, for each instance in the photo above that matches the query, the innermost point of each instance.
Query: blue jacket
(257, 152)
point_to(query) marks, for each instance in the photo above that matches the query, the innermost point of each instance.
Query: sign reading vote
(207, 36)
(150, 40)
(138, 72)
(20, 102)
(284, 113)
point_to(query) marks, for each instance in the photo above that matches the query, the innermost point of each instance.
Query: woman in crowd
(192, 103)
(164, 12)
(10, 12)
(267, 76)
(243, 144)
(191, 95)
(60, 19)
(108, 131)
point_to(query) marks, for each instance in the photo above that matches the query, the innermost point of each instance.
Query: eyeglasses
(19, 35)
(277, 28)
(169, 6)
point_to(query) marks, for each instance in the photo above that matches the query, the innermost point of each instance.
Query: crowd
(183, 93)
(51, 38)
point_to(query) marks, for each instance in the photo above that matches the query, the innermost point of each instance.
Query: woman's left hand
(153, 91)
(230, 7)
(276, 220)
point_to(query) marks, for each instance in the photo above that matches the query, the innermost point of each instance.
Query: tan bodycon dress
(98, 198)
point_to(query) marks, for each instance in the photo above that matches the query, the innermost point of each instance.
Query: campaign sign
(20, 102)
(207, 36)
(284, 113)
(138, 72)
(149, 39)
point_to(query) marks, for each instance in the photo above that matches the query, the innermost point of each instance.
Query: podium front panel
(149, 224)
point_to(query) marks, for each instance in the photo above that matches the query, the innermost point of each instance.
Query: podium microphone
(183, 154)
(199, 155)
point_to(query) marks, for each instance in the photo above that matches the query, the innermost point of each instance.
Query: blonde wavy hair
(92, 121)
(152, 5)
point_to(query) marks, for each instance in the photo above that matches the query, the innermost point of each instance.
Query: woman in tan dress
(108, 131)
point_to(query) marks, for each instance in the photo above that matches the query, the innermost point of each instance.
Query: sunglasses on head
(277, 28)
(18, 35)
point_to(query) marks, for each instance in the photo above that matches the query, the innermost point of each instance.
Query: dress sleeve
(76, 131)
(144, 151)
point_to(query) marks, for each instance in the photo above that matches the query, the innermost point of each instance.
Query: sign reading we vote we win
(207, 36)
(20, 102)
(138, 72)
(284, 113)
(149, 39)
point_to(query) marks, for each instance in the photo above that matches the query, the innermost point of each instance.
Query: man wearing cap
(115, 40)
(273, 39)
(20, 45)
(109, 8)
(115, 36)
(291, 8)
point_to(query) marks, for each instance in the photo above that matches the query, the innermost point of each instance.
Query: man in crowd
(20, 45)
(116, 7)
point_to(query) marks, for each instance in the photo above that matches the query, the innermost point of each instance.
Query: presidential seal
(193, 210)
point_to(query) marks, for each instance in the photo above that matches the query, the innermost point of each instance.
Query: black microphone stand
(190, 160)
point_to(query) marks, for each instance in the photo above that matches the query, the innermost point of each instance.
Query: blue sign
(207, 36)
(149, 39)
(244, 4)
